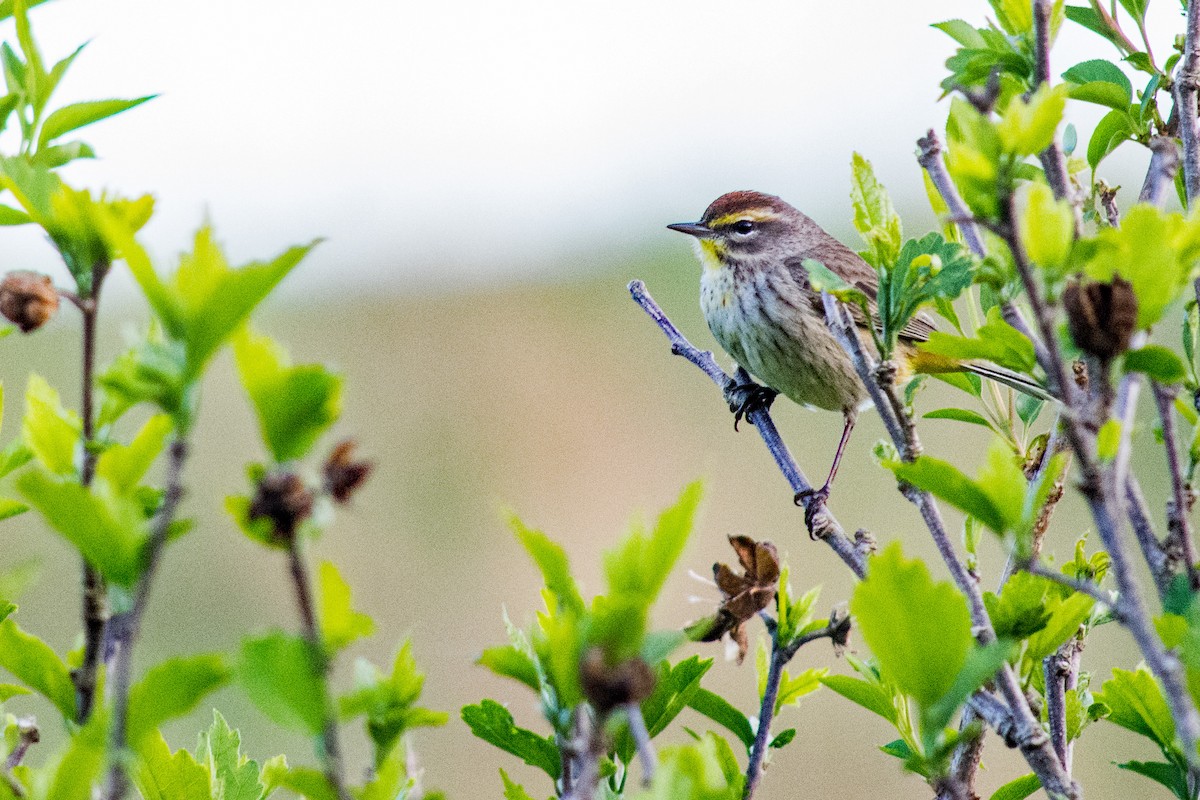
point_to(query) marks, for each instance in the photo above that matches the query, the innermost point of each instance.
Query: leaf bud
(1101, 316)
(28, 299)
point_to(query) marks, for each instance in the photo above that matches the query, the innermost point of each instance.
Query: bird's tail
(921, 362)
(1014, 380)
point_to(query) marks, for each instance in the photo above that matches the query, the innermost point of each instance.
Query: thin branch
(1187, 83)
(1090, 588)
(330, 745)
(1054, 673)
(822, 524)
(1054, 162)
(1099, 489)
(1032, 740)
(930, 158)
(1179, 527)
(128, 625)
(780, 656)
(28, 735)
(641, 739)
(1160, 177)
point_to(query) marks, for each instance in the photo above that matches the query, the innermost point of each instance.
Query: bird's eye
(743, 226)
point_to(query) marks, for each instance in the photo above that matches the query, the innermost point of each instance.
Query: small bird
(761, 308)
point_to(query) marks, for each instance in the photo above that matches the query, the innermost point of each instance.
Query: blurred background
(489, 176)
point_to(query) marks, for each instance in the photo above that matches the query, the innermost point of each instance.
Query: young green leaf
(36, 665)
(552, 560)
(1018, 789)
(107, 528)
(722, 712)
(918, 629)
(162, 775)
(1047, 227)
(1027, 128)
(124, 466)
(1101, 82)
(493, 723)
(77, 115)
(295, 404)
(874, 217)
(172, 689)
(1114, 129)
(1158, 362)
(994, 341)
(236, 777)
(50, 431)
(1169, 775)
(512, 790)
(1137, 704)
(340, 623)
(282, 676)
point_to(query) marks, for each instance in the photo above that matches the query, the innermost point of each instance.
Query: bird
(761, 308)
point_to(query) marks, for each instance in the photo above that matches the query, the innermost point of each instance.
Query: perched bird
(761, 308)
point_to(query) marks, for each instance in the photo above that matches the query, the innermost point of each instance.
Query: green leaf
(1158, 362)
(918, 629)
(1136, 8)
(1020, 609)
(1047, 228)
(960, 415)
(1169, 775)
(491, 722)
(968, 382)
(389, 701)
(172, 689)
(874, 216)
(1018, 789)
(981, 666)
(162, 775)
(722, 712)
(962, 32)
(705, 770)
(124, 466)
(994, 341)
(36, 665)
(1089, 19)
(77, 115)
(1065, 619)
(282, 676)
(1108, 440)
(1027, 128)
(107, 528)
(1137, 704)
(308, 782)
(11, 216)
(783, 739)
(945, 481)
(1014, 16)
(1102, 82)
(295, 405)
(509, 662)
(340, 624)
(80, 766)
(236, 777)
(1155, 251)
(792, 688)
(636, 570)
(1113, 129)
(50, 431)
(673, 691)
(513, 791)
(552, 560)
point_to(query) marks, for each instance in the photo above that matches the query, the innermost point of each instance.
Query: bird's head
(740, 224)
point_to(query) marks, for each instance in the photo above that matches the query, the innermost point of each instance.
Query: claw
(812, 501)
(746, 398)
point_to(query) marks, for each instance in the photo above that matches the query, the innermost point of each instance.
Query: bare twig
(1164, 163)
(1054, 672)
(1187, 83)
(641, 738)
(128, 625)
(822, 523)
(780, 656)
(930, 158)
(1100, 491)
(1179, 527)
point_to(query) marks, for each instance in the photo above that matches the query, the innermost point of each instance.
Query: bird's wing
(849, 266)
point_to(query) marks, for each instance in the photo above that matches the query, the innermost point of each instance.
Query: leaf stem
(331, 748)
(127, 626)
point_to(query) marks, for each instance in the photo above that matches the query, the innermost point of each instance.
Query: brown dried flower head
(28, 299)
(283, 499)
(746, 594)
(1101, 316)
(608, 686)
(342, 474)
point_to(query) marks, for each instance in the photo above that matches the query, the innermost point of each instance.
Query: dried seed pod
(28, 299)
(1101, 316)
(342, 474)
(283, 499)
(607, 686)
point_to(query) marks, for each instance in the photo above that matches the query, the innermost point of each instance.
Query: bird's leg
(812, 499)
(744, 396)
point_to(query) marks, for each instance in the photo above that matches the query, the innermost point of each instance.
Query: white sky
(439, 142)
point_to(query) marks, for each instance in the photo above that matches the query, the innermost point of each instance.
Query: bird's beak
(697, 229)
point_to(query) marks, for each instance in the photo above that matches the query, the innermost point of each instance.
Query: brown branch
(1179, 526)
(1160, 177)
(1187, 83)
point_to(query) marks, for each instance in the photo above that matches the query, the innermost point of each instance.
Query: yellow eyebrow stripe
(755, 214)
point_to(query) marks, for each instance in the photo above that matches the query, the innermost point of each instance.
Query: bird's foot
(812, 501)
(745, 398)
